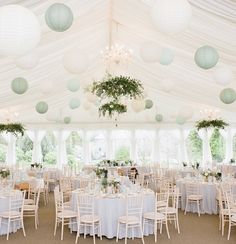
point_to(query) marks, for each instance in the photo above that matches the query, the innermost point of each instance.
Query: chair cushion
(67, 214)
(89, 218)
(13, 214)
(129, 220)
(29, 202)
(153, 216)
(195, 197)
(29, 207)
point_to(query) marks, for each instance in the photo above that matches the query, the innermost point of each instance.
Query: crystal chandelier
(118, 54)
(209, 113)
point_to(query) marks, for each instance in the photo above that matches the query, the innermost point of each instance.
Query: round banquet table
(207, 190)
(110, 208)
(4, 206)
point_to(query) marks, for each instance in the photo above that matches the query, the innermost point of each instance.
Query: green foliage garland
(14, 128)
(112, 89)
(215, 123)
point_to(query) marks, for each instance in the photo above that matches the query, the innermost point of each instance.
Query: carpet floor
(194, 230)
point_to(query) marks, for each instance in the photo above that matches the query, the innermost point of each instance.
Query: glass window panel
(49, 152)
(217, 145)
(3, 150)
(194, 146)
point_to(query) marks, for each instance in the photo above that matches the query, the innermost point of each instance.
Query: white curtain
(37, 137)
(228, 137)
(11, 148)
(156, 153)
(183, 146)
(61, 137)
(205, 135)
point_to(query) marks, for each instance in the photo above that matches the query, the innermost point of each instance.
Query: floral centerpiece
(196, 165)
(115, 184)
(36, 165)
(4, 173)
(206, 174)
(114, 163)
(184, 164)
(101, 172)
(232, 161)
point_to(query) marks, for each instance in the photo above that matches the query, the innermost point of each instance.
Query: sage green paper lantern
(19, 85)
(180, 120)
(59, 17)
(73, 85)
(148, 103)
(74, 103)
(167, 56)
(228, 95)
(159, 118)
(67, 120)
(41, 107)
(206, 57)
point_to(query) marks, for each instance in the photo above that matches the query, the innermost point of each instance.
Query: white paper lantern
(150, 52)
(41, 107)
(19, 85)
(167, 85)
(223, 75)
(29, 61)
(167, 56)
(138, 105)
(171, 16)
(67, 120)
(76, 61)
(20, 30)
(74, 103)
(180, 120)
(91, 97)
(46, 87)
(73, 85)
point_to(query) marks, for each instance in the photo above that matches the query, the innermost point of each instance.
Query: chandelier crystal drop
(118, 54)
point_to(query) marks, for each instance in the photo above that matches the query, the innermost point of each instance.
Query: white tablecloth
(4, 206)
(109, 209)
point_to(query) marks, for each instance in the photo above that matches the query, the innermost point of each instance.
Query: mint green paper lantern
(159, 118)
(59, 17)
(74, 103)
(206, 57)
(73, 85)
(41, 107)
(167, 56)
(180, 120)
(19, 85)
(228, 95)
(148, 103)
(67, 120)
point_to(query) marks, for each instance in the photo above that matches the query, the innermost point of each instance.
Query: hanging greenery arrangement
(14, 128)
(111, 89)
(214, 123)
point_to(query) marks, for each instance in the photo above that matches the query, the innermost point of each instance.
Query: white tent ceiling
(213, 23)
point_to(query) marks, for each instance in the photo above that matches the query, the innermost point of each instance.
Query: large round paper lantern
(167, 56)
(167, 85)
(67, 120)
(228, 95)
(46, 87)
(41, 107)
(59, 17)
(76, 61)
(20, 30)
(148, 103)
(138, 105)
(223, 75)
(19, 85)
(73, 85)
(150, 52)
(180, 120)
(159, 118)
(74, 103)
(206, 57)
(171, 16)
(29, 61)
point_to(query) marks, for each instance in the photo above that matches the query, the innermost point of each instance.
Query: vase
(206, 179)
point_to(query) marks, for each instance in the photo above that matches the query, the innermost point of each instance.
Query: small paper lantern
(59, 17)
(150, 52)
(20, 31)
(138, 105)
(41, 107)
(86, 105)
(171, 16)
(167, 56)
(67, 120)
(73, 85)
(91, 97)
(206, 57)
(76, 61)
(28, 61)
(167, 85)
(159, 118)
(148, 103)
(223, 75)
(46, 87)
(228, 95)
(74, 103)
(180, 120)
(19, 85)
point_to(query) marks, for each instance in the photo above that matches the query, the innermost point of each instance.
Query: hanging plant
(14, 128)
(215, 123)
(113, 89)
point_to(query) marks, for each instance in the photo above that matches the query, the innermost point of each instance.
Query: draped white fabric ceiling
(213, 23)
